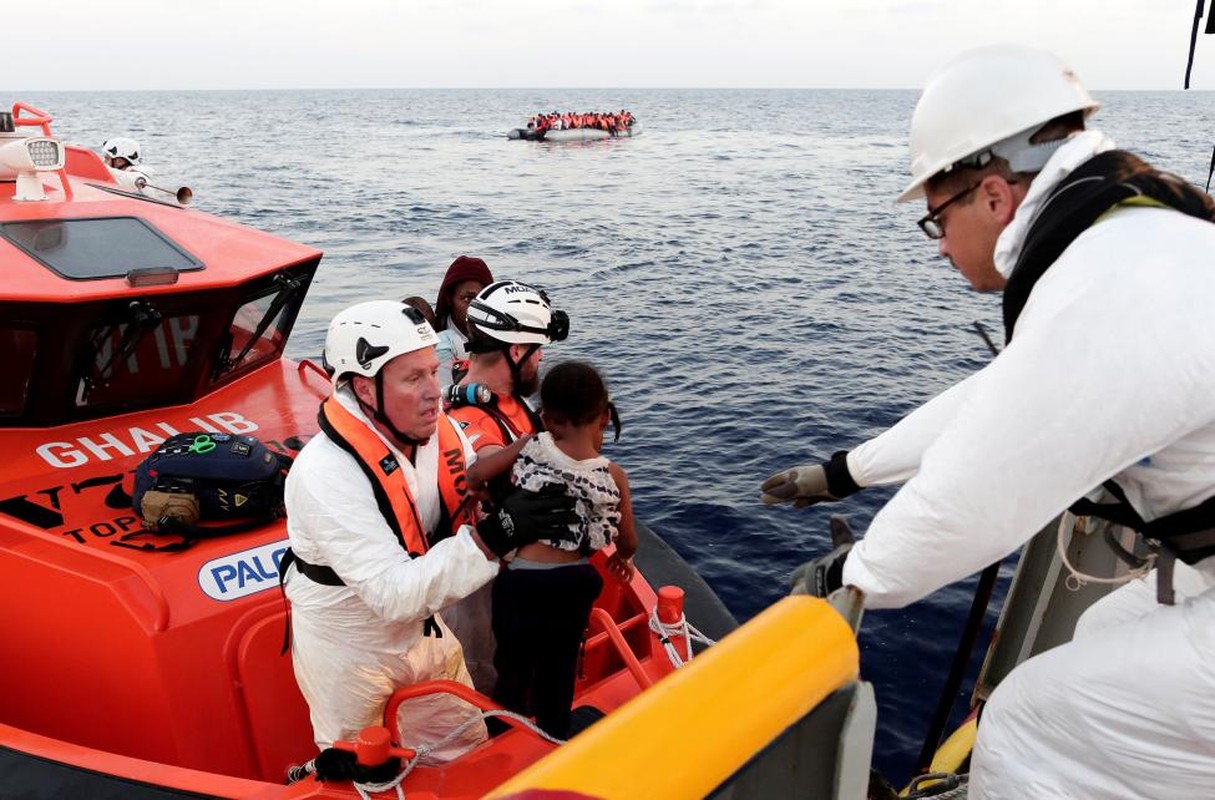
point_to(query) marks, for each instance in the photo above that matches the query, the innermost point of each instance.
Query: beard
(528, 385)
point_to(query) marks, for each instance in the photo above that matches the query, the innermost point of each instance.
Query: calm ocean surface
(738, 272)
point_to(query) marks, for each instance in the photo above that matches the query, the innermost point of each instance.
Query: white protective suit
(1111, 373)
(355, 644)
(130, 177)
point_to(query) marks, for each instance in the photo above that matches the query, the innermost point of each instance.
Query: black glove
(820, 576)
(336, 765)
(810, 484)
(523, 517)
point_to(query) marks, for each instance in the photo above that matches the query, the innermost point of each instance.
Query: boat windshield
(138, 360)
(73, 362)
(257, 330)
(18, 347)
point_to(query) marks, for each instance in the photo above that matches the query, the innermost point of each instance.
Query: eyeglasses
(931, 223)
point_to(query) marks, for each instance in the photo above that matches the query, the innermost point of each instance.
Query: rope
(680, 628)
(297, 772)
(1076, 579)
(527, 723)
(365, 790)
(939, 786)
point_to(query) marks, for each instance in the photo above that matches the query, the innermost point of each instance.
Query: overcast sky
(270, 44)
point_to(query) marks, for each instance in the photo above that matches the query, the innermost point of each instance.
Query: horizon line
(546, 89)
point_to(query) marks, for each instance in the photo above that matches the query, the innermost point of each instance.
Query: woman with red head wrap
(465, 277)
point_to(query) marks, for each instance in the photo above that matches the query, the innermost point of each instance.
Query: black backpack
(198, 485)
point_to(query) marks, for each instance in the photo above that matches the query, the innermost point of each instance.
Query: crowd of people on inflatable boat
(614, 123)
(488, 512)
(1083, 239)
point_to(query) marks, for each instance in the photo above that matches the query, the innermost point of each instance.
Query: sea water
(739, 273)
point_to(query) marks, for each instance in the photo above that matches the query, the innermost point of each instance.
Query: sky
(290, 44)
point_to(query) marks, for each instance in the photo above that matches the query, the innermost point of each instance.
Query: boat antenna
(1189, 62)
(184, 195)
(1189, 65)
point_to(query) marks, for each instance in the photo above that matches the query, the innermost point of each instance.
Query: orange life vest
(511, 418)
(387, 478)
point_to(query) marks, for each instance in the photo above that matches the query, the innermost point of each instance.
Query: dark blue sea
(738, 272)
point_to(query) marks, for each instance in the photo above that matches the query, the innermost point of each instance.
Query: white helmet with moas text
(510, 312)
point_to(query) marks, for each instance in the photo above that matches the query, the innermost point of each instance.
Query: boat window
(243, 348)
(18, 346)
(103, 247)
(139, 360)
(259, 328)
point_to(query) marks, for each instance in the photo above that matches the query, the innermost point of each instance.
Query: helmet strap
(377, 413)
(516, 367)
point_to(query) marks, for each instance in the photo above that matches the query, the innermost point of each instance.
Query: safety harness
(1109, 179)
(391, 490)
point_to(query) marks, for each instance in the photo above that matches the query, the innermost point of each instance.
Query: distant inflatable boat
(572, 134)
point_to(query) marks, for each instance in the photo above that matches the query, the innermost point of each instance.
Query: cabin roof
(229, 252)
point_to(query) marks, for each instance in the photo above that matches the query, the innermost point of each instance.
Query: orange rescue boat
(140, 673)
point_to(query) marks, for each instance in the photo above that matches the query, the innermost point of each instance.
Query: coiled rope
(668, 633)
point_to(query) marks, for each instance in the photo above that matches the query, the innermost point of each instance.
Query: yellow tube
(698, 726)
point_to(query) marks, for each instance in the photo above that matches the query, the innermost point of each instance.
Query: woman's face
(462, 294)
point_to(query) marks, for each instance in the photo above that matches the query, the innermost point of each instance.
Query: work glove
(823, 575)
(810, 484)
(820, 576)
(522, 517)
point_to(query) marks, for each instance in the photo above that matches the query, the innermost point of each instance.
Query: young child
(542, 599)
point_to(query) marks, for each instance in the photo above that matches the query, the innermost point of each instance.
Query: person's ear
(999, 197)
(364, 389)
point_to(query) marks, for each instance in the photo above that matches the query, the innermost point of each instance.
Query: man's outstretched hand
(813, 483)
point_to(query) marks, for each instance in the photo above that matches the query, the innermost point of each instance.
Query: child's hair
(424, 307)
(573, 393)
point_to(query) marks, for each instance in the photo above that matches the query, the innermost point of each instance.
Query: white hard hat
(515, 313)
(122, 147)
(365, 337)
(991, 99)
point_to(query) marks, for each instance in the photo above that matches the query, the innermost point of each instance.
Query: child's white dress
(588, 481)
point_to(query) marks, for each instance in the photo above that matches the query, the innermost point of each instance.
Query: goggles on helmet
(557, 330)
